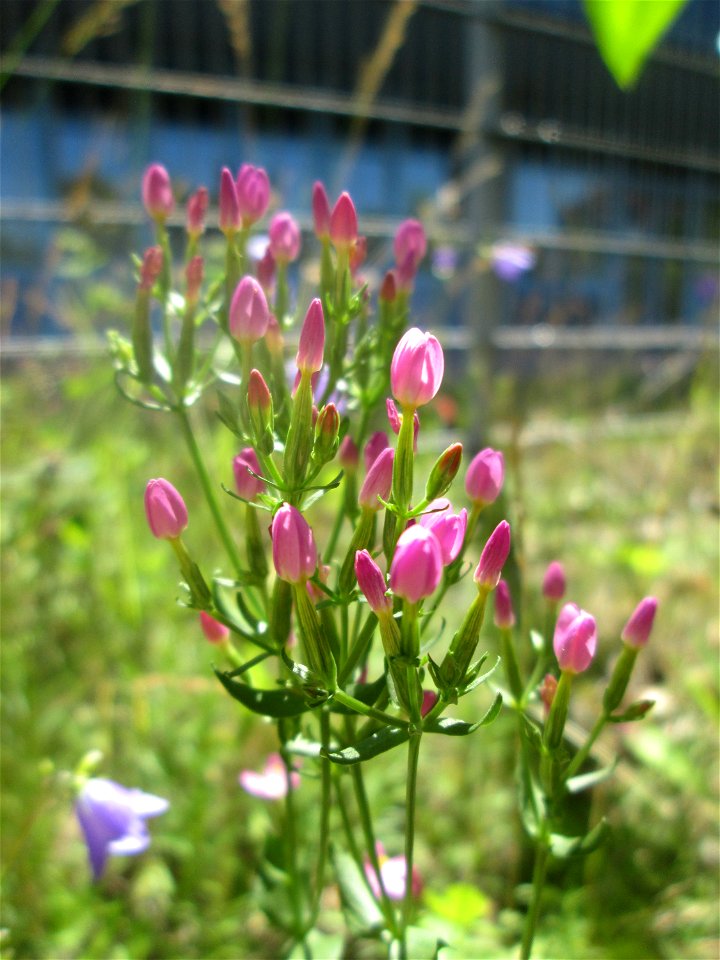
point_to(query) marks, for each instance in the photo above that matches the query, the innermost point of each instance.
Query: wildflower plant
(348, 621)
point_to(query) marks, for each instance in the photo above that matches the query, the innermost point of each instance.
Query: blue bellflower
(113, 817)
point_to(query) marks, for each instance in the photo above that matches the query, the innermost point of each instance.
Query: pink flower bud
(374, 447)
(448, 527)
(249, 311)
(410, 244)
(348, 453)
(195, 212)
(371, 581)
(378, 480)
(553, 586)
(547, 692)
(504, 613)
(284, 238)
(636, 631)
(388, 290)
(429, 700)
(266, 271)
(258, 395)
(320, 211)
(417, 368)
(294, 551)
(247, 486)
(165, 509)
(358, 254)
(312, 340)
(493, 557)
(343, 223)
(157, 192)
(485, 475)
(151, 267)
(215, 632)
(417, 564)
(274, 339)
(253, 193)
(194, 277)
(575, 639)
(229, 206)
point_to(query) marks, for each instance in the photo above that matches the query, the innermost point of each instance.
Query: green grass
(97, 654)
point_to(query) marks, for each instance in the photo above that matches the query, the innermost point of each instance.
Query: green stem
(334, 534)
(326, 788)
(584, 751)
(291, 854)
(541, 860)
(369, 834)
(341, 697)
(410, 798)
(208, 489)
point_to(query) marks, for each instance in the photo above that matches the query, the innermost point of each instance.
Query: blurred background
(572, 277)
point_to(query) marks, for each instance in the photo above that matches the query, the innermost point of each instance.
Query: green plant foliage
(627, 31)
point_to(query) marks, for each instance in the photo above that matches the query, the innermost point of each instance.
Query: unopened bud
(151, 267)
(260, 408)
(444, 472)
(215, 632)
(194, 277)
(195, 212)
(327, 427)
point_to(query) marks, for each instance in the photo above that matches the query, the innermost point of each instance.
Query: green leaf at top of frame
(379, 742)
(283, 702)
(627, 31)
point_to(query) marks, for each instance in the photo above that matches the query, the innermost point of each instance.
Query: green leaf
(476, 678)
(563, 847)
(627, 31)
(459, 728)
(421, 945)
(586, 780)
(269, 703)
(363, 913)
(379, 742)
(537, 641)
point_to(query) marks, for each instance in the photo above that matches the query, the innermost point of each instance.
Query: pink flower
(249, 311)
(157, 192)
(320, 211)
(266, 271)
(195, 212)
(410, 241)
(485, 475)
(378, 480)
(294, 551)
(393, 871)
(417, 564)
(165, 509)
(429, 700)
(575, 639)
(410, 246)
(371, 581)
(215, 632)
(448, 527)
(151, 267)
(636, 631)
(504, 613)
(253, 193)
(272, 783)
(553, 586)
(229, 207)
(492, 559)
(348, 454)
(284, 238)
(309, 358)
(374, 447)
(343, 223)
(194, 277)
(417, 368)
(247, 486)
